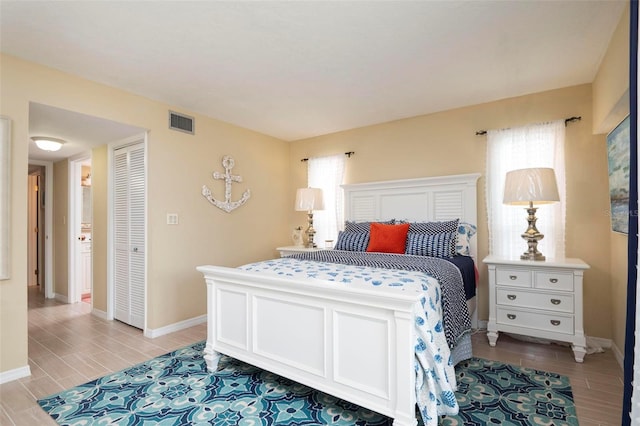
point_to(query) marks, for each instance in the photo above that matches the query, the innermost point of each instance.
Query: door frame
(48, 226)
(75, 223)
(34, 227)
(139, 138)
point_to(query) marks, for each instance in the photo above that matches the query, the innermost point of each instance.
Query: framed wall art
(619, 162)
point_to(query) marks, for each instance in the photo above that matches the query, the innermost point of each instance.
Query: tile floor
(68, 346)
(597, 383)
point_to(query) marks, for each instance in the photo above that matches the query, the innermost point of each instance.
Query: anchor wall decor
(227, 205)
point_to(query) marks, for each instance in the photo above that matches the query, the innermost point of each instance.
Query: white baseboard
(100, 314)
(15, 374)
(600, 341)
(482, 324)
(61, 298)
(157, 332)
(618, 354)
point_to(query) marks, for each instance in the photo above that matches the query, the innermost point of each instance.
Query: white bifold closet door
(129, 232)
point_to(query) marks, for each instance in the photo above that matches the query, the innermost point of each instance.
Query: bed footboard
(356, 343)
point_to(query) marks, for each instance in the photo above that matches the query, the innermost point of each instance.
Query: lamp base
(310, 231)
(536, 255)
(532, 236)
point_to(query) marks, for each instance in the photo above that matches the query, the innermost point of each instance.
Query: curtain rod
(348, 154)
(566, 121)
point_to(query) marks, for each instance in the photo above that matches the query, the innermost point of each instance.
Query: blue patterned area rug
(176, 389)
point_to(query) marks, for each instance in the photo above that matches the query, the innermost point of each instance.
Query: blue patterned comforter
(457, 322)
(435, 375)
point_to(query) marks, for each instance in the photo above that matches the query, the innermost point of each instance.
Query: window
(539, 145)
(327, 173)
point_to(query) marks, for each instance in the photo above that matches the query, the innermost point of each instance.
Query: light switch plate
(172, 218)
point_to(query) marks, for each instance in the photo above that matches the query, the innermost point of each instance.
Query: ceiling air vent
(181, 122)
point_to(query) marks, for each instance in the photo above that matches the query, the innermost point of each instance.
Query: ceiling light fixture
(48, 144)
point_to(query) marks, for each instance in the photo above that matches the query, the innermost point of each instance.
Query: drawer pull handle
(513, 277)
(553, 280)
(555, 301)
(511, 316)
(511, 296)
(555, 322)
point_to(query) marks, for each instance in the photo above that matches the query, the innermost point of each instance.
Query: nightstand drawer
(530, 320)
(513, 277)
(554, 280)
(525, 299)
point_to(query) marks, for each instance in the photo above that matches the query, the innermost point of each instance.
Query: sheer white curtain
(327, 173)
(538, 145)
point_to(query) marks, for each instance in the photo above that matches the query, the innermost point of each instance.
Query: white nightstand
(289, 250)
(539, 299)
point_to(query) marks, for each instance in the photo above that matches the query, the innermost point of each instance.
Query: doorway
(36, 227)
(40, 207)
(128, 231)
(86, 136)
(80, 230)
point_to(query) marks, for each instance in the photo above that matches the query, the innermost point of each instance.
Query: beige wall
(178, 166)
(13, 292)
(206, 234)
(445, 143)
(60, 228)
(611, 85)
(619, 268)
(610, 106)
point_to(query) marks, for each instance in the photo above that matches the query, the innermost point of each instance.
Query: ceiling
(79, 131)
(298, 69)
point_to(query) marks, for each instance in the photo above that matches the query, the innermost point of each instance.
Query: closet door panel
(121, 234)
(137, 235)
(129, 229)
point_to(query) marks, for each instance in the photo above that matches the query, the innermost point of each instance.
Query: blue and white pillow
(362, 227)
(352, 241)
(450, 226)
(465, 232)
(442, 244)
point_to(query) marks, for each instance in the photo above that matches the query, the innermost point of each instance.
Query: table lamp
(309, 199)
(526, 187)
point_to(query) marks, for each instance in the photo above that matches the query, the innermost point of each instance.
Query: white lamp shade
(48, 144)
(536, 185)
(308, 199)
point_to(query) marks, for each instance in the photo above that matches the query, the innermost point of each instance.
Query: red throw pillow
(388, 238)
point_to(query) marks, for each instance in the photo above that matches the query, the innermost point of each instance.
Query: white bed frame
(353, 342)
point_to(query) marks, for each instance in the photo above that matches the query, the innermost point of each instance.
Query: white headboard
(418, 200)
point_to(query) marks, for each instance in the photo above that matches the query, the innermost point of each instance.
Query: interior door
(129, 233)
(32, 261)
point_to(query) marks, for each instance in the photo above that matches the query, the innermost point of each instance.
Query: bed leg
(211, 357)
(405, 375)
(405, 421)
